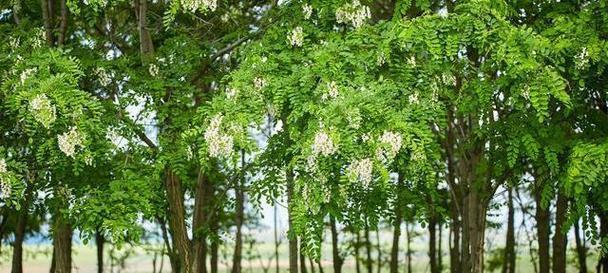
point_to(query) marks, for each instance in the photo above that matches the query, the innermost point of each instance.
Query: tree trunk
(368, 248)
(432, 227)
(581, 248)
(17, 266)
(560, 237)
(238, 219)
(214, 244)
(99, 242)
(302, 260)
(439, 250)
(276, 238)
(379, 247)
(543, 230)
(293, 239)
(455, 264)
(177, 226)
(394, 266)
(203, 202)
(62, 244)
(357, 247)
(509, 256)
(337, 259)
(408, 248)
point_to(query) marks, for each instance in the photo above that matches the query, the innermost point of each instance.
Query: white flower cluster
(259, 83)
(296, 37)
(43, 111)
(69, 141)
(582, 59)
(218, 143)
(26, 74)
(361, 170)
(14, 42)
(307, 11)
(231, 92)
(103, 76)
(323, 144)
(5, 189)
(381, 59)
(153, 69)
(413, 98)
(2, 166)
(392, 141)
(354, 13)
(332, 91)
(194, 5)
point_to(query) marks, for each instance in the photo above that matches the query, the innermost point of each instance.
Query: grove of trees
(179, 119)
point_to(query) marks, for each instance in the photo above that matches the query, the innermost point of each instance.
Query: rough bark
(394, 263)
(581, 248)
(17, 263)
(337, 258)
(302, 260)
(432, 227)
(46, 20)
(62, 244)
(293, 240)
(559, 238)
(99, 243)
(63, 24)
(238, 218)
(177, 226)
(202, 208)
(509, 256)
(455, 264)
(145, 44)
(543, 230)
(408, 248)
(602, 264)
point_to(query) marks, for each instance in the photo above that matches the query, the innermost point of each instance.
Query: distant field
(37, 260)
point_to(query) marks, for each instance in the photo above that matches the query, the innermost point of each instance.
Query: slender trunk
(337, 259)
(455, 264)
(439, 250)
(602, 264)
(17, 266)
(214, 226)
(3, 226)
(408, 248)
(302, 260)
(276, 238)
(46, 18)
(293, 239)
(320, 267)
(509, 256)
(379, 247)
(99, 242)
(368, 248)
(312, 265)
(203, 200)
(177, 226)
(145, 40)
(560, 237)
(63, 24)
(394, 266)
(581, 248)
(432, 226)
(543, 230)
(357, 247)
(239, 215)
(475, 213)
(62, 244)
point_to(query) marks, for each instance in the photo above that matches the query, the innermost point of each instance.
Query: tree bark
(20, 228)
(509, 257)
(543, 230)
(302, 260)
(337, 259)
(62, 244)
(99, 242)
(293, 239)
(145, 40)
(63, 24)
(203, 201)
(394, 266)
(46, 19)
(379, 247)
(368, 248)
(408, 248)
(432, 227)
(581, 248)
(276, 238)
(177, 226)
(238, 219)
(560, 237)
(455, 264)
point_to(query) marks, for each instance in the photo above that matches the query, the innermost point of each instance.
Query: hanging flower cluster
(219, 144)
(307, 11)
(392, 141)
(296, 37)
(103, 77)
(323, 144)
(154, 70)
(231, 92)
(361, 170)
(354, 13)
(195, 5)
(69, 141)
(26, 74)
(332, 91)
(5, 189)
(42, 110)
(259, 83)
(582, 59)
